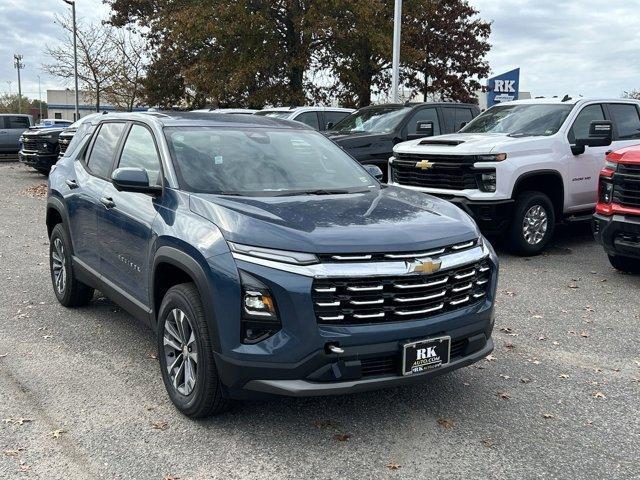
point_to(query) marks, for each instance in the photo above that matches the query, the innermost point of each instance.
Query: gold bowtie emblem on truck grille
(425, 267)
(424, 164)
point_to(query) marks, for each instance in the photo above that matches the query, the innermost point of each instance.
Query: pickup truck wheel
(186, 355)
(69, 291)
(625, 264)
(533, 223)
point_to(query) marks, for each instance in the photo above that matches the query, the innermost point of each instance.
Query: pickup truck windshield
(521, 120)
(263, 162)
(372, 120)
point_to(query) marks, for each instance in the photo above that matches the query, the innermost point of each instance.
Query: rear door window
(309, 118)
(17, 122)
(334, 117)
(581, 124)
(104, 148)
(627, 121)
(462, 117)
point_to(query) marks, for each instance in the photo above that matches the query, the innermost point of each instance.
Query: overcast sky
(587, 47)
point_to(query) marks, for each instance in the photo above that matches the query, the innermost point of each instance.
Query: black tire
(625, 264)
(69, 291)
(43, 171)
(206, 397)
(519, 243)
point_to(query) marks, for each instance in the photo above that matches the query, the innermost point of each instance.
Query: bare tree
(128, 70)
(97, 56)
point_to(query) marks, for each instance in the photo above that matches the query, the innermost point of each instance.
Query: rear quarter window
(627, 121)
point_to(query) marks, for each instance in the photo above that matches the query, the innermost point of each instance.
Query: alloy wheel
(181, 351)
(58, 266)
(535, 224)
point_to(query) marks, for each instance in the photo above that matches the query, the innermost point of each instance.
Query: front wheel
(533, 223)
(186, 354)
(625, 264)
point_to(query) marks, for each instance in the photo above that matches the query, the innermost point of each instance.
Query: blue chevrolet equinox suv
(265, 258)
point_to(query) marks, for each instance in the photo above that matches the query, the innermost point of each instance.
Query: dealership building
(61, 104)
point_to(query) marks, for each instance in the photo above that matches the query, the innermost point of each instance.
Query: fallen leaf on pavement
(13, 453)
(444, 423)
(537, 316)
(598, 395)
(487, 443)
(490, 358)
(153, 356)
(160, 425)
(504, 395)
(4, 355)
(563, 375)
(393, 466)
(17, 421)
(548, 415)
(343, 437)
(584, 334)
(573, 285)
(57, 433)
(525, 380)
(506, 377)
(542, 337)
(170, 477)
(509, 346)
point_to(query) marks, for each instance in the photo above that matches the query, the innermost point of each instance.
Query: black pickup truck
(370, 133)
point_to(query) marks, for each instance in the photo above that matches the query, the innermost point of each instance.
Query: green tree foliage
(258, 52)
(443, 48)
(9, 104)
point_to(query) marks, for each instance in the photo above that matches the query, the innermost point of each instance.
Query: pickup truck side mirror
(129, 179)
(374, 171)
(600, 135)
(424, 129)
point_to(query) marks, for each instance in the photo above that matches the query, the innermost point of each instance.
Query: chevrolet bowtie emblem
(425, 267)
(424, 164)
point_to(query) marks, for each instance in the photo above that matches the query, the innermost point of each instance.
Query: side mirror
(329, 125)
(128, 179)
(424, 129)
(374, 171)
(600, 135)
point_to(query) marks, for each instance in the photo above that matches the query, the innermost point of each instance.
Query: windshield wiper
(343, 191)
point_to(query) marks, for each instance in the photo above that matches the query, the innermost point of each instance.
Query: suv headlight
(259, 314)
(284, 256)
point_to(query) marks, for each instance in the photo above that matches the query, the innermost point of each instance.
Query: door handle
(108, 202)
(71, 183)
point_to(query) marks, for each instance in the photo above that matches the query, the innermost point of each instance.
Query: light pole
(19, 66)
(397, 24)
(75, 53)
(39, 99)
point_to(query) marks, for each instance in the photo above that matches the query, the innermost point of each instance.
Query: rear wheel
(533, 224)
(625, 264)
(69, 291)
(186, 354)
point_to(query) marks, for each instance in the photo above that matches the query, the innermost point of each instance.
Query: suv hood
(390, 219)
(473, 143)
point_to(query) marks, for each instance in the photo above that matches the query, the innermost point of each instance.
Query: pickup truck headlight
(487, 181)
(493, 157)
(605, 191)
(259, 314)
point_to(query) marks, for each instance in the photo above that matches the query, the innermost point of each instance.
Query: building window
(58, 116)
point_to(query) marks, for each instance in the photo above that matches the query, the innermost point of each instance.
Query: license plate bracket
(425, 355)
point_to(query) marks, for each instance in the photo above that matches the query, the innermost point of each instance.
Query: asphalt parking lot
(81, 395)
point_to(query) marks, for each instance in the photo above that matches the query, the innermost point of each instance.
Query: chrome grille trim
(464, 288)
(329, 304)
(415, 255)
(368, 315)
(460, 301)
(403, 286)
(420, 312)
(365, 289)
(332, 319)
(462, 276)
(366, 269)
(420, 299)
(352, 257)
(482, 282)
(367, 302)
(325, 290)
(462, 246)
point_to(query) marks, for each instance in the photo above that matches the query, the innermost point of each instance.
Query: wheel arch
(172, 266)
(548, 182)
(56, 213)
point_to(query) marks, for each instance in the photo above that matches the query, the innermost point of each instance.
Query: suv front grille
(403, 298)
(626, 186)
(447, 172)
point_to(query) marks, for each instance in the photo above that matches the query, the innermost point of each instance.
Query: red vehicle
(616, 223)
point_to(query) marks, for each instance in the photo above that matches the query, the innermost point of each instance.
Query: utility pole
(75, 54)
(397, 24)
(19, 66)
(39, 99)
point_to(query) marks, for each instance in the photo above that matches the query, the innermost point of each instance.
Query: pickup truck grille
(447, 172)
(64, 143)
(33, 144)
(395, 299)
(626, 190)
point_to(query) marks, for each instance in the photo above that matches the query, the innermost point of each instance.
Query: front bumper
(37, 160)
(618, 234)
(493, 217)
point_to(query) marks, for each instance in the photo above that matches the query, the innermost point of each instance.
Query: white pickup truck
(521, 166)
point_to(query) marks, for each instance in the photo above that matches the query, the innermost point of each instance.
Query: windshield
(520, 120)
(263, 162)
(373, 120)
(273, 114)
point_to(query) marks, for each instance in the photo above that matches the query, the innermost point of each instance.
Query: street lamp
(395, 74)
(39, 98)
(19, 66)
(75, 53)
